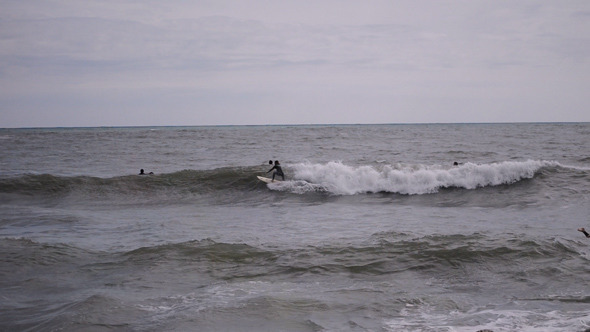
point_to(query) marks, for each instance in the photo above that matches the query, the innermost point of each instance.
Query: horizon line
(298, 125)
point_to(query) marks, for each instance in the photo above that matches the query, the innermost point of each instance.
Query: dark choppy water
(374, 229)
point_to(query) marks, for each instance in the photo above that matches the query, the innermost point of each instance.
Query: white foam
(427, 318)
(342, 179)
(297, 186)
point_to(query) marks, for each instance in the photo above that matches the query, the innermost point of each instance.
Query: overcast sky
(225, 62)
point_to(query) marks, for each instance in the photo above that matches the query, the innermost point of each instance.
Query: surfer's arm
(583, 231)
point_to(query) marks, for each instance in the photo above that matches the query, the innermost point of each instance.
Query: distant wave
(169, 186)
(341, 179)
(333, 178)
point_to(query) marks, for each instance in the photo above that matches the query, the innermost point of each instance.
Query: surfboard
(267, 180)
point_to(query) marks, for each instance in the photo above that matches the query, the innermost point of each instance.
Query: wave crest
(341, 179)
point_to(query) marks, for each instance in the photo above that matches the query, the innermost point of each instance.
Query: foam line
(342, 179)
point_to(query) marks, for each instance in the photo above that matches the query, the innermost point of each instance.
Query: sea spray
(342, 179)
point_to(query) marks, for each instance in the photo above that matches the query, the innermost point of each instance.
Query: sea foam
(341, 179)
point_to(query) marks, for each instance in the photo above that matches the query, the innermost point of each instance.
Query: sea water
(374, 229)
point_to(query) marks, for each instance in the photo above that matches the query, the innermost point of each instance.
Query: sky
(93, 63)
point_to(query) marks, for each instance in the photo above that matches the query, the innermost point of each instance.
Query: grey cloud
(433, 57)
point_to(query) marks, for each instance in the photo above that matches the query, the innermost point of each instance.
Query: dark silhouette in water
(278, 170)
(587, 235)
(141, 172)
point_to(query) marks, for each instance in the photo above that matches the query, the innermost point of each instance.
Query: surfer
(583, 231)
(141, 172)
(278, 170)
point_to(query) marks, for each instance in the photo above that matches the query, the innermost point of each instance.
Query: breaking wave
(333, 178)
(338, 178)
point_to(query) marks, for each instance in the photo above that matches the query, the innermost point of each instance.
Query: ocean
(374, 229)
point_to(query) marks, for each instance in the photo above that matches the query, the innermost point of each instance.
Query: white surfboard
(267, 180)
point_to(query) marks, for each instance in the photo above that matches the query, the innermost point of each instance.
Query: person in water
(141, 172)
(278, 170)
(584, 231)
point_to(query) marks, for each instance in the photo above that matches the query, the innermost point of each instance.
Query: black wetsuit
(278, 171)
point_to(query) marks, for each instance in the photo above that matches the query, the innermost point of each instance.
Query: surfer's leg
(583, 231)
